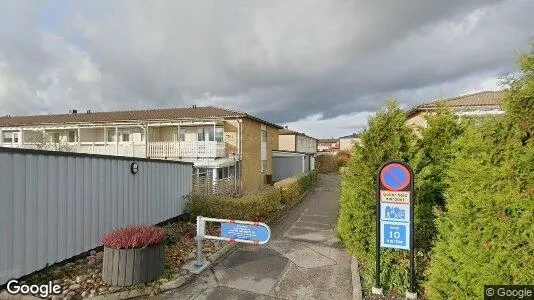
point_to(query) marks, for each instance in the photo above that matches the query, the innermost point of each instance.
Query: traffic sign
(257, 233)
(395, 235)
(395, 212)
(395, 177)
(394, 215)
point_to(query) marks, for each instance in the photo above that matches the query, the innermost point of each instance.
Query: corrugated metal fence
(56, 205)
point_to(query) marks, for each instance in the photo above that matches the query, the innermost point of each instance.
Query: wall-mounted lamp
(134, 167)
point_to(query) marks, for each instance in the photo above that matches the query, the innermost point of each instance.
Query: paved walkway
(303, 260)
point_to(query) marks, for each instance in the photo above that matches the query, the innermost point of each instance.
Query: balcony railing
(200, 149)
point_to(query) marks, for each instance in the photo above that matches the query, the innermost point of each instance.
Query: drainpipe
(239, 147)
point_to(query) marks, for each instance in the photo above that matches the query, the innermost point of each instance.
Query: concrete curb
(356, 284)
(221, 253)
(122, 295)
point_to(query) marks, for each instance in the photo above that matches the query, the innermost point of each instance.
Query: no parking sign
(394, 219)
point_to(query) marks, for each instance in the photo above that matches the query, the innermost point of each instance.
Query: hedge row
(474, 194)
(257, 206)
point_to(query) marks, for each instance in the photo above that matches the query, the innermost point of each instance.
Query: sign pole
(394, 218)
(377, 290)
(411, 294)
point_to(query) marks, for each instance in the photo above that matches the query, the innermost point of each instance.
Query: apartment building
(290, 140)
(465, 106)
(224, 144)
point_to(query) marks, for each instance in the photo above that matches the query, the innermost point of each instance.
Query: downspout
(240, 156)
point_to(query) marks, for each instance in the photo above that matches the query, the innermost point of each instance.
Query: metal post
(411, 294)
(377, 289)
(199, 238)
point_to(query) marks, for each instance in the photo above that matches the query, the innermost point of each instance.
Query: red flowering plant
(134, 237)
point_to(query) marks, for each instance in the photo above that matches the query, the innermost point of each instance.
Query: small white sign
(395, 197)
(395, 212)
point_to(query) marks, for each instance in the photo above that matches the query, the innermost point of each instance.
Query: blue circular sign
(395, 177)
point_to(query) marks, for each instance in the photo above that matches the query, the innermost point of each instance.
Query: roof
(328, 140)
(131, 115)
(476, 100)
(285, 131)
(352, 136)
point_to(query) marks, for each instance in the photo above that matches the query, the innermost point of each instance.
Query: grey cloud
(281, 60)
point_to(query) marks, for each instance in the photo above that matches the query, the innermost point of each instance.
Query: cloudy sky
(321, 67)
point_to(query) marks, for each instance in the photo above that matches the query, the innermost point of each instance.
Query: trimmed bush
(134, 237)
(485, 231)
(292, 189)
(387, 137)
(253, 207)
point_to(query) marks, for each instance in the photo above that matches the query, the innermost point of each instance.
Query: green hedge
(257, 206)
(293, 188)
(254, 207)
(486, 231)
(387, 137)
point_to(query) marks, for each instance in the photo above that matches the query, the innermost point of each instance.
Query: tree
(387, 137)
(485, 231)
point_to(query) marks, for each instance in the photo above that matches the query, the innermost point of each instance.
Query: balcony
(193, 149)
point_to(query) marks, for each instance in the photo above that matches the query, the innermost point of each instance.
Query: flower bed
(83, 277)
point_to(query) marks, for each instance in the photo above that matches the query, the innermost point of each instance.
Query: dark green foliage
(386, 138)
(486, 231)
(253, 207)
(257, 206)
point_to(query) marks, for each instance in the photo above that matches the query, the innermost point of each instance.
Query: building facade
(328, 145)
(466, 106)
(230, 147)
(289, 140)
(346, 143)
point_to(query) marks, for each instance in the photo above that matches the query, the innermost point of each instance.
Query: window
(111, 134)
(125, 136)
(181, 135)
(205, 134)
(231, 171)
(264, 135)
(55, 137)
(264, 165)
(225, 173)
(10, 137)
(72, 136)
(219, 134)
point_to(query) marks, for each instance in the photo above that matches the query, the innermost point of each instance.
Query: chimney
(285, 127)
(73, 111)
(88, 111)
(194, 106)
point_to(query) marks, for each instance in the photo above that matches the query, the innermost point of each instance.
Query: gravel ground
(83, 277)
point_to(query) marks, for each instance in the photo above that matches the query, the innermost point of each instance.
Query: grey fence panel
(54, 206)
(287, 166)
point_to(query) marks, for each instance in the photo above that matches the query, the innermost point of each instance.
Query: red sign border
(406, 172)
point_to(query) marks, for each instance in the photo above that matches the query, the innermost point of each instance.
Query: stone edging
(356, 284)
